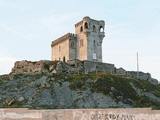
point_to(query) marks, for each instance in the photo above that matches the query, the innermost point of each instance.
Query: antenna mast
(137, 66)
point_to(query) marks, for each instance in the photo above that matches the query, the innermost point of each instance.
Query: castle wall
(94, 48)
(61, 50)
(133, 74)
(24, 66)
(73, 48)
(82, 47)
(76, 66)
(98, 67)
(82, 42)
(95, 40)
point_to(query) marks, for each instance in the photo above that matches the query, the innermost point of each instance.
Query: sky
(27, 28)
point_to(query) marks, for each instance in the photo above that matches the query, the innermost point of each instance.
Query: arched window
(86, 25)
(101, 29)
(94, 28)
(81, 29)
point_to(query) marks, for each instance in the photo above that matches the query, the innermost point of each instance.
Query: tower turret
(90, 34)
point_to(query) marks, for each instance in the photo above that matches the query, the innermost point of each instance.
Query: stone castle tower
(85, 44)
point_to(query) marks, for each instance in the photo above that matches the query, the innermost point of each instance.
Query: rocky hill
(46, 84)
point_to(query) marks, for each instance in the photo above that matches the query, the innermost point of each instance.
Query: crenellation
(64, 37)
(79, 23)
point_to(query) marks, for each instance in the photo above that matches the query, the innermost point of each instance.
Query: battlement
(79, 23)
(64, 37)
(88, 19)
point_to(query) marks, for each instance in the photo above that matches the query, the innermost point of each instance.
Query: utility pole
(137, 66)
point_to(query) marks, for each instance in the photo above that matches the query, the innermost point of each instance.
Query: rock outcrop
(92, 90)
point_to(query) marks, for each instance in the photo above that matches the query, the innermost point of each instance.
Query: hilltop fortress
(75, 78)
(78, 53)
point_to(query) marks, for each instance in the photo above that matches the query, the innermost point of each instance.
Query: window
(94, 43)
(94, 49)
(101, 29)
(86, 25)
(94, 28)
(59, 48)
(81, 29)
(94, 46)
(72, 44)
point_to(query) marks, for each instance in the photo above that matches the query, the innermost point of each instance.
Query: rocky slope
(70, 90)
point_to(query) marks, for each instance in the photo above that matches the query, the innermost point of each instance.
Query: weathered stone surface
(74, 66)
(21, 99)
(141, 75)
(121, 71)
(22, 67)
(80, 114)
(94, 90)
(153, 81)
(98, 67)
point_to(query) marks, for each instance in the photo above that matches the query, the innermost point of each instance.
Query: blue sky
(27, 28)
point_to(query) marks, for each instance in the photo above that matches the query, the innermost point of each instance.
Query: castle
(82, 52)
(85, 44)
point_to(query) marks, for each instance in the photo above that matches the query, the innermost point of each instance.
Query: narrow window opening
(72, 44)
(94, 53)
(94, 46)
(94, 28)
(64, 59)
(81, 29)
(59, 48)
(86, 25)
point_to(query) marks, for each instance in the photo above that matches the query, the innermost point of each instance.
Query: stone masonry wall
(80, 114)
(133, 74)
(76, 66)
(24, 66)
(72, 66)
(98, 67)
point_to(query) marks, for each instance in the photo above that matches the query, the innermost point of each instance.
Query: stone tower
(85, 44)
(90, 34)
